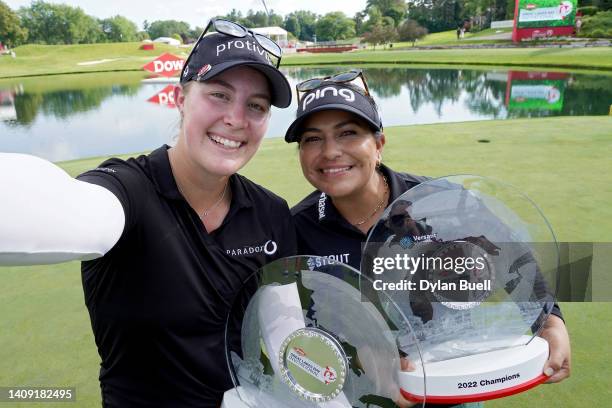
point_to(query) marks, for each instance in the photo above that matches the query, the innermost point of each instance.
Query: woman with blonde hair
(162, 236)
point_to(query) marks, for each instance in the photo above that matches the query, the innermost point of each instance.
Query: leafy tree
(380, 34)
(390, 33)
(396, 9)
(388, 22)
(194, 34)
(261, 19)
(335, 26)
(359, 19)
(257, 19)
(308, 23)
(11, 32)
(597, 26)
(410, 30)
(374, 18)
(292, 25)
(142, 35)
(58, 24)
(275, 20)
(510, 9)
(603, 5)
(235, 15)
(165, 28)
(119, 29)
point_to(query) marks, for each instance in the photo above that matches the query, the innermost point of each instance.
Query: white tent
(167, 40)
(277, 34)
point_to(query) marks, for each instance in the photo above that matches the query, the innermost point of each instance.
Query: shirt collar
(327, 212)
(397, 186)
(163, 179)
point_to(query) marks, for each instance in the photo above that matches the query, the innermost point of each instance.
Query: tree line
(379, 22)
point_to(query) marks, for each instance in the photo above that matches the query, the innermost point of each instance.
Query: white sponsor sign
(546, 13)
(547, 92)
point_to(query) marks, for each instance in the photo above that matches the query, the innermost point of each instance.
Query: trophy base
(231, 399)
(479, 377)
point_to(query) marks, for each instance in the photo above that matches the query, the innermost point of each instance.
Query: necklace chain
(212, 207)
(380, 204)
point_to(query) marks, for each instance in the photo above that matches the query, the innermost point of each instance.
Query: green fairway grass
(450, 38)
(34, 60)
(61, 59)
(562, 163)
(596, 58)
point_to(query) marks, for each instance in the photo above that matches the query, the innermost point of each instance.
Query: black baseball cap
(218, 52)
(331, 95)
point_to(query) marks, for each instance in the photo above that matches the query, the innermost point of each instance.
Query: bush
(142, 35)
(597, 26)
(604, 4)
(588, 10)
(410, 30)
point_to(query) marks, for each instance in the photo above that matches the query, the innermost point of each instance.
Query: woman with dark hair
(340, 142)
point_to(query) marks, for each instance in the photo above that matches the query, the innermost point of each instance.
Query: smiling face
(338, 153)
(224, 120)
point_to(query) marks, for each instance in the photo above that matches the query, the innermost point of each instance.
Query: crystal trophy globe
(472, 263)
(302, 334)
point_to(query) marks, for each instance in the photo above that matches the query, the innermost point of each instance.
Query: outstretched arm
(46, 216)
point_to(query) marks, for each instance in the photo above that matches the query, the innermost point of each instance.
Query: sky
(197, 12)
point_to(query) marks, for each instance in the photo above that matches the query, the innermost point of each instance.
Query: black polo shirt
(321, 230)
(158, 300)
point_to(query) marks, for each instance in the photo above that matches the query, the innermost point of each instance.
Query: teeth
(225, 142)
(336, 170)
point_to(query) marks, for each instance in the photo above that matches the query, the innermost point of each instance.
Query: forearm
(46, 216)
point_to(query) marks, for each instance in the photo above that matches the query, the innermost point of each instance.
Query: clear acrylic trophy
(302, 334)
(472, 264)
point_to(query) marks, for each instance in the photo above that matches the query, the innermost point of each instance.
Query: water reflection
(62, 104)
(481, 92)
(68, 117)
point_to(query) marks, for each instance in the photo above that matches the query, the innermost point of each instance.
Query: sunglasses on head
(340, 78)
(236, 30)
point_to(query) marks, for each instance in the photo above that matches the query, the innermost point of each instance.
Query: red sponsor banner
(164, 97)
(537, 75)
(166, 64)
(519, 34)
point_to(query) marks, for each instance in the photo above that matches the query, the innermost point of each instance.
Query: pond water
(84, 115)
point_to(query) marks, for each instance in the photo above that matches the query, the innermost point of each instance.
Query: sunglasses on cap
(340, 78)
(236, 30)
